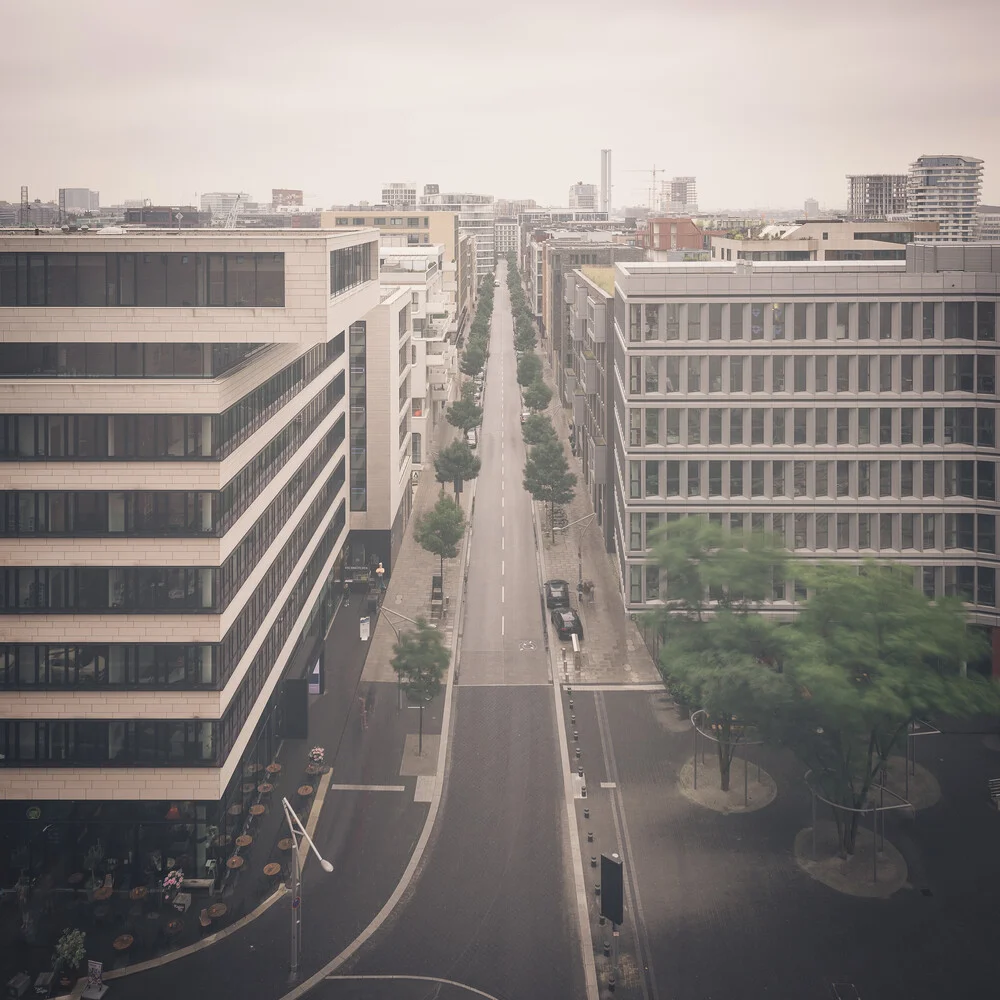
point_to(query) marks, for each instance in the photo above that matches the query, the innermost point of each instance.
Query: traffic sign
(296, 902)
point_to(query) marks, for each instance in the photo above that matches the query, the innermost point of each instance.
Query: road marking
(501, 501)
(621, 687)
(502, 564)
(501, 624)
(609, 784)
(502, 594)
(503, 542)
(423, 979)
(367, 788)
(501, 520)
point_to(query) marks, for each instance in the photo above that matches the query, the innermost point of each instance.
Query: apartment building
(174, 449)
(506, 236)
(476, 216)
(434, 354)
(988, 223)
(946, 190)
(666, 233)
(77, 201)
(848, 407)
(583, 196)
(826, 240)
(399, 195)
(874, 197)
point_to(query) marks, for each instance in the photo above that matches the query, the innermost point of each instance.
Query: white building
(946, 189)
(605, 205)
(476, 217)
(506, 235)
(220, 203)
(988, 223)
(175, 460)
(583, 196)
(76, 201)
(679, 196)
(399, 195)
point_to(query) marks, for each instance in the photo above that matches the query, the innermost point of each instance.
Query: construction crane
(655, 172)
(230, 222)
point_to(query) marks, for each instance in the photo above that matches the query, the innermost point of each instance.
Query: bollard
(602, 919)
(579, 771)
(593, 861)
(576, 736)
(590, 835)
(607, 948)
(597, 888)
(583, 791)
(611, 983)
(572, 720)
(571, 703)
(578, 752)
(586, 814)
(569, 691)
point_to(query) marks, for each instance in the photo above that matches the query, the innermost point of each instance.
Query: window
(822, 531)
(906, 320)
(736, 426)
(694, 427)
(778, 321)
(864, 320)
(652, 371)
(986, 321)
(986, 480)
(885, 479)
(822, 369)
(930, 531)
(906, 479)
(958, 320)
(987, 591)
(694, 374)
(673, 321)
(736, 313)
(885, 320)
(885, 531)
(906, 373)
(822, 426)
(777, 427)
(864, 425)
(673, 479)
(843, 373)
(635, 532)
(634, 427)
(958, 373)
(843, 426)
(928, 321)
(986, 533)
(864, 373)
(986, 428)
(843, 320)
(908, 536)
(801, 531)
(843, 531)
(715, 426)
(959, 479)
(843, 479)
(864, 479)
(635, 584)
(928, 373)
(635, 480)
(778, 373)
(652, 583)
(986, 374)
(799, 431)
(756, 321)
(906, 425)
(885, 426)
(822, 479)
(672, 382)
(694, 321)
(800, 367)
(777, 479)
(958, 425)
(715, 479)
(928, 426)
(799, 484)
(652, 322)
(800, 320)
(736, 479)
(822, 317)
(652, 479)
(351, 266)
(652, 426)
(715, 321)
(736, 374)
(756, 426)
(635, 323)
(694, 479)
(929, 475)
(673, 426)
(715, 373)
(635, 375)
(757, 373)
(756, 479)
(652, 523)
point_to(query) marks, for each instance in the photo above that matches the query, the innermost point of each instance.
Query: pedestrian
(347, 594)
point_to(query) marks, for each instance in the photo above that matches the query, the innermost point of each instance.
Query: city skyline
(287, 119)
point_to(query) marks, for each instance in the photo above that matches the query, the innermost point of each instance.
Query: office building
(220, 203)
(399, 196)
(583, 196)
(873, 197)
(476, 215)
(811, 208)
(286, 198)
(848, 407)
(77, 201)
(679, 196)
(946, 190)
(825, 240)
(167, 217)
(506, 234)
(988, 223)
(174, 442)
(605, 204)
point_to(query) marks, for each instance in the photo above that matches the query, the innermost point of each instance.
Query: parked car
(556, 594)
(567, 622)
(472, 438)
(525, 414)
(496, 284)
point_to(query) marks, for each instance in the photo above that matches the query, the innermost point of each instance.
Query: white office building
(476, 217)
(946, 190)
(506, 236)
(399, 195)
(583, 196)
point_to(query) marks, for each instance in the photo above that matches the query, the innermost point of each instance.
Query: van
(471, 438)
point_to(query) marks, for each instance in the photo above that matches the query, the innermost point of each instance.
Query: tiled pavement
(613, 651)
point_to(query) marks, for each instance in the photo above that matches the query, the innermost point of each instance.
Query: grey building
(848, 407)
(871, 197)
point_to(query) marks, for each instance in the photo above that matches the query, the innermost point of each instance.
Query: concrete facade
(946, 190)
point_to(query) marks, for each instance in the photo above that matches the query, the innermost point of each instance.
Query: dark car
(556, 594)
(566, 622)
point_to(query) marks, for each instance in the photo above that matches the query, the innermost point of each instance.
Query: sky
(766, 103)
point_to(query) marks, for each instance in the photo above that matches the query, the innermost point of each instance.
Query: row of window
(663, 374)
(656, 427)
(664, 321)
(974, 584)
(142, 279)
(80, 360)
(412, 222)
(161, 436)
(160, 513)
(352, 266)
(99, 743)
(359, 410)
(849, 531)
(87, 667)
(931, 479)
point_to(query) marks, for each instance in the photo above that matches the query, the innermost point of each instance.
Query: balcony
(579, 407)
(588, 371)
(576, 324)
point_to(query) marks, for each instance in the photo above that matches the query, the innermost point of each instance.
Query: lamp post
(399, 680)
(579, 545)
(297, 830)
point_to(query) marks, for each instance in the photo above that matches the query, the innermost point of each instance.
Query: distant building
(987, 223)
(431, 189)
(476, 215)
(506, 236)
(605, 204)
(286, 198)
(165, 217)
(671, 233)
(811, 208)
(679, 196)
(513, 207)
(399, 195)
(220, 203)
(946, 189)
(583, 196)
(76, 201)
(875, 196)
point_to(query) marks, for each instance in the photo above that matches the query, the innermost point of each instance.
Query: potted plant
(71, 950)
(316, 755)
(172, 882)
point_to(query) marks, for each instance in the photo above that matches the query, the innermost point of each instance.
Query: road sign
(366, 627)
(296, 902)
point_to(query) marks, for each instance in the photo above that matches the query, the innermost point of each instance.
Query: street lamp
(579, 545)
(296, 829)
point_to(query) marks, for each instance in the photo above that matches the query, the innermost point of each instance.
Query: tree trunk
(552, 521)
(725, 754)
(442, 570)
(420, 732)
(847, 831)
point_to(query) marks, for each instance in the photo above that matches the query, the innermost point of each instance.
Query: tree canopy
(473, 359)
(529, 369)
(420, 659)
(464, 413)
(456, 464)
(537, 428)
(547, 477)
(441, 529)
(537, 396)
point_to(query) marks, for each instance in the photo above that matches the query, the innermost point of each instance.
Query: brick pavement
(613, 650)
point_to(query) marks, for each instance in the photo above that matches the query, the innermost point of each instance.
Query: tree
(420, 659)
(537, 428)
(547, 477)
(464, 413)
(456, 464)
(525, 341)
(870, 654)
(440, 529)
(473, 359)
(529, 369)
(537, 396)
(718, 654)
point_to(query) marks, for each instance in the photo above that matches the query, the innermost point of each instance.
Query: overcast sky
(767, 102)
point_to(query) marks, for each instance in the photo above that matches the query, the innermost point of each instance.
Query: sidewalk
(613, 651)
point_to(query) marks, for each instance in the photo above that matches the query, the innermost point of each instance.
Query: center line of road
(502, 593)
(501, 567)
(501, 624)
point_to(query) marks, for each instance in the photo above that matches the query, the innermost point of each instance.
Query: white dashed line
(501, 625)
(502, 593)
(503, 543)
(502, 563)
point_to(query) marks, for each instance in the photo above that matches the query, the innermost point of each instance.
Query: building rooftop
(603, 277)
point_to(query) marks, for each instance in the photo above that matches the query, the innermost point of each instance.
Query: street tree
(456, 464)
(547, 477)
(870, 654)
(420, 659)
(440, 529)
(537, 428)
(537, 396)
(718, 653)
(473, 359)
(464, 413)
(525, 341)
(529, 369)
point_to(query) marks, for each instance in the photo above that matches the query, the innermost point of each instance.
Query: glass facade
(359, 410)
(352, 266)
(142, 279)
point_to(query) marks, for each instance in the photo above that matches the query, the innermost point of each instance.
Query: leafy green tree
(529, 369)
(537, 396)
(456, 464)
(420, 659)
(870, 654)
(547, 477)
(718, 654)
(441, 529)
(464, 413)
(537, 428)
(473, 359)
(525, 341)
